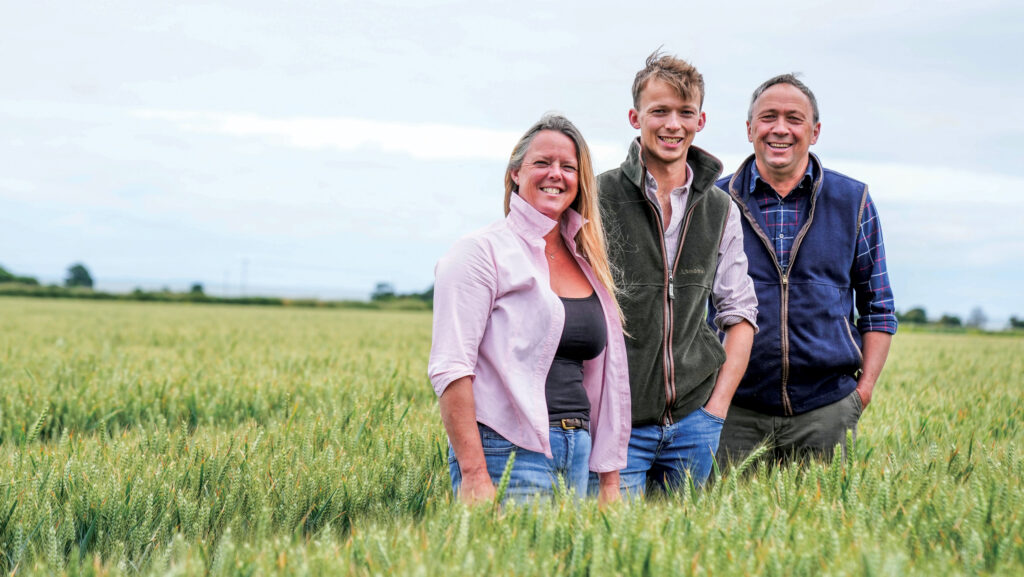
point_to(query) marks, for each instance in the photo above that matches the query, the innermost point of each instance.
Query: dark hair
(790, 79)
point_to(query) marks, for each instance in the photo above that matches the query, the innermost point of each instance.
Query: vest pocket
(855, 348)
(821, 337)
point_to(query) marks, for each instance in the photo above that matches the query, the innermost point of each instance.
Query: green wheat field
(172, 439)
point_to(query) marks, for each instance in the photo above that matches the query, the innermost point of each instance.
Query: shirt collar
(531, 224)
(651, 185)
(755, 175)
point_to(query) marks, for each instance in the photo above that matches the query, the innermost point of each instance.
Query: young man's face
(667, 123)
(782, 128)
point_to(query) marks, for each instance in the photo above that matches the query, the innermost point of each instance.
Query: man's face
(782, 129)
(667, 123)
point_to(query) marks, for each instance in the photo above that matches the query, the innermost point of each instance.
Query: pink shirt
(497, 319)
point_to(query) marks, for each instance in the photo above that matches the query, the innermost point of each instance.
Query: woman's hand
(458, 412)
(476, 488)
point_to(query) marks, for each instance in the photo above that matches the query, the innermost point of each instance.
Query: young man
(815, 247)
(676, 241)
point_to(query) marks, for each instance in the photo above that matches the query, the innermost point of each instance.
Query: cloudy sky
(316, 148)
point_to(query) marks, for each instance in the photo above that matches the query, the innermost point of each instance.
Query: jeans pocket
(493, 443)
(712, 417)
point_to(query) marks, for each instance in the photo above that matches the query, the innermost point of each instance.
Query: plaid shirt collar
(805, 182)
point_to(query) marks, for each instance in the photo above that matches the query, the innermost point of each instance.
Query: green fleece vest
(665, 305)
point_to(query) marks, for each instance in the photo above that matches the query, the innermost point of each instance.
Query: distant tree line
(975, 320)
(9, 277)
(385, 292)
(918, 316)
(78, 276)
(78, 284)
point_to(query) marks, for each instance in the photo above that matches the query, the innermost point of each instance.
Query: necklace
(559, 247)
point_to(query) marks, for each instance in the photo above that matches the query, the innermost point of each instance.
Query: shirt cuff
(725, 321)
(884, 323)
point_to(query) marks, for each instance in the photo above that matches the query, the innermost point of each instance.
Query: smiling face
(667, 122)
(548, 179)
(782, 128)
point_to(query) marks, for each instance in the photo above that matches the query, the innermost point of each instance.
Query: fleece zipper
(666, 343)
(668, 309)
(671, 399)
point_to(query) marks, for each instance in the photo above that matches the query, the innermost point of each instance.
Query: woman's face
(549, 176)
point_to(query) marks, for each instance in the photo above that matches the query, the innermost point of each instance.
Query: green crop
(154, 438)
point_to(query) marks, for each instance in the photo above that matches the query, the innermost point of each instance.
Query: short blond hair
(676, 72)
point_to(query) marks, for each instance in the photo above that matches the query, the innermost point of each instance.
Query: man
(676, 240)
(814, 243)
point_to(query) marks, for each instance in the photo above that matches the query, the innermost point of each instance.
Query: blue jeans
(661, 457)
(533, 474)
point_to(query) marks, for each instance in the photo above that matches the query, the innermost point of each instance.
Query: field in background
(152, 438)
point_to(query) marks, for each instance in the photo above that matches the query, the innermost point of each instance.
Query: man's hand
(716, 407)
(875, 351)
(865, 395)
(738, 340)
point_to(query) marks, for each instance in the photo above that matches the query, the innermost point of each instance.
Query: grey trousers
(813, 434)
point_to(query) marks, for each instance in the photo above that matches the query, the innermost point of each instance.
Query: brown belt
(570, 424)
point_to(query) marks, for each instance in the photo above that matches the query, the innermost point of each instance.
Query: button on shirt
(732, 292)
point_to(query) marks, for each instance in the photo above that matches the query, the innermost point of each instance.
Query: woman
(528, 354)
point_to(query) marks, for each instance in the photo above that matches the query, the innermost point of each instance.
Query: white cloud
(423, 141)
(16, 186)
(428, 141)
(930, 184)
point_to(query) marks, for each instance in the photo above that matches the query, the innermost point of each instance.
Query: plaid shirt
(783, 217)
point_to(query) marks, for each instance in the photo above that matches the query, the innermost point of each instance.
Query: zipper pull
(671, 288)
(785, 279)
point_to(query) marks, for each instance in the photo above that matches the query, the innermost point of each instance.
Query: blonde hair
(676, 72)
(590, 238)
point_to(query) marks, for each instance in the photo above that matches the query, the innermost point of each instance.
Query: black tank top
(583, 338)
